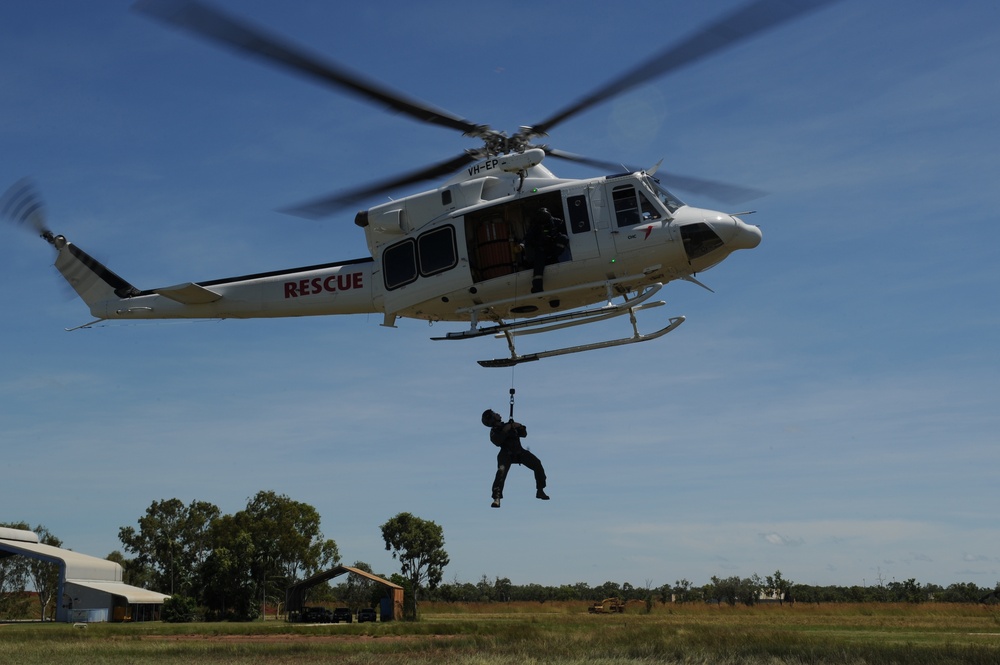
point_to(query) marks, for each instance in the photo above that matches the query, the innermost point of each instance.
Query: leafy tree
(289, 535)
(418, 544)
(779, 585)
(134, 572)
(289, 545)
(13, 579)
(180, 609)
(962, 592)
(44, 576)
(172, 540)
(227, 583)
(683, 592)
(502, 589)
(261, 550)
(360, 591)
(750, 588)
(734, 589)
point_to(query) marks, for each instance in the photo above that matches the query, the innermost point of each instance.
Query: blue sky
(829, 412)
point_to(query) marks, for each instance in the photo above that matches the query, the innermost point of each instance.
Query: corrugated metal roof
(78, 566)
(7, 533)
(340, 570)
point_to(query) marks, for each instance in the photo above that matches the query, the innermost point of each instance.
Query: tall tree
(173, 540)
(260, 551)
(288, 538)
(42, 574)
(360, 591)
(418, 544)
(778, 585)
(228, 587)
(13, 579)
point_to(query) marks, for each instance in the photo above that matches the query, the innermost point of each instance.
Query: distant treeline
(729, 590)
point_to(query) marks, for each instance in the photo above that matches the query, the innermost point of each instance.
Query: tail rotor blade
(22, 205)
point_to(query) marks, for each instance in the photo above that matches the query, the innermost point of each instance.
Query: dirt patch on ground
(292, 638)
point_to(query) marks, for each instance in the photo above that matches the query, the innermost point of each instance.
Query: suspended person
(544, 242)
(507, 437)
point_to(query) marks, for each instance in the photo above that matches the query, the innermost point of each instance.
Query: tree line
(733, 590)
(231, 567)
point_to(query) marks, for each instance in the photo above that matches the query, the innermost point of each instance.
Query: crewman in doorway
(544, 241)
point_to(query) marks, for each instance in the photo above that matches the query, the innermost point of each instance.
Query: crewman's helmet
(490, 417)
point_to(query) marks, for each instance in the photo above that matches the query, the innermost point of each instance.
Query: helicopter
(469, 249)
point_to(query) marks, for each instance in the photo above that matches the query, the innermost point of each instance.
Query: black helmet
(490, 417)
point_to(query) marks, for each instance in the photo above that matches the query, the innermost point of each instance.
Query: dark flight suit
(507, 437)
(544, 242)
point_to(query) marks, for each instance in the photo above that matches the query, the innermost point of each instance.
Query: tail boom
(336, 288)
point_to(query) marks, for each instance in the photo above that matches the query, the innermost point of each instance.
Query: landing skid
(565, 320)
(635, 338)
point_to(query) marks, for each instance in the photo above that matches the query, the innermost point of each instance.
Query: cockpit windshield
(669, 200)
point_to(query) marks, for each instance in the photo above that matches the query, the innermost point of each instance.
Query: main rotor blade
(720, 191)
(211, 23)
(327, 206)
(737, 26)
(609, 167)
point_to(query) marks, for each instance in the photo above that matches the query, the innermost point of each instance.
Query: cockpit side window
(649, 211)
(633, 207)
(626, 205)
(671, 202)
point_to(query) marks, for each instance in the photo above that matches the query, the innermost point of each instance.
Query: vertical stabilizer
(90, 278)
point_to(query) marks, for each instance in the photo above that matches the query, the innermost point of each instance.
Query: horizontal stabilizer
(189, 294)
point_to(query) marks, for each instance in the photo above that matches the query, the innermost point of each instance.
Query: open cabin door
(495, 235)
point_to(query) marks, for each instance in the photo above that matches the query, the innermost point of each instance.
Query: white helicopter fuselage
(457, 253)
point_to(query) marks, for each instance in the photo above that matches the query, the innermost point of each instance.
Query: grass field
(501, 634)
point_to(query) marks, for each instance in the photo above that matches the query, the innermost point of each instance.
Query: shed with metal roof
(90, 588)
(295, 595)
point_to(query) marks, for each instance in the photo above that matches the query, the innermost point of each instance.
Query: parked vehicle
(343, 614)
(316, 615)
(607, 606)
(366, 614)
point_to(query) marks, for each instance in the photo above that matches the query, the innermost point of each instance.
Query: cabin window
(579, 217)
(446, 197)
(399, 264)
(437, 251)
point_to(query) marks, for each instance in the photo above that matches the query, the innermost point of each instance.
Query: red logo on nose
(649, 229)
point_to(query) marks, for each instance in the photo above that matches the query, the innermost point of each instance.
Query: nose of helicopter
(736, 233)
(745, 236)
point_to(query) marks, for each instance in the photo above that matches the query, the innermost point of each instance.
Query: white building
(90, 589)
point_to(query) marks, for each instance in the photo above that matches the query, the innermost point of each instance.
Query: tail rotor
(23, 206)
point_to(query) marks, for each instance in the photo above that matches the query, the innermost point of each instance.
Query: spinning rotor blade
(23, 205)
(219, 27)
(331, 204)
(720, 191)
(610, 167)
(737, 26)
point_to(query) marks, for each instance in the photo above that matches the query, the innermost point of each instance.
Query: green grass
(498, 634)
